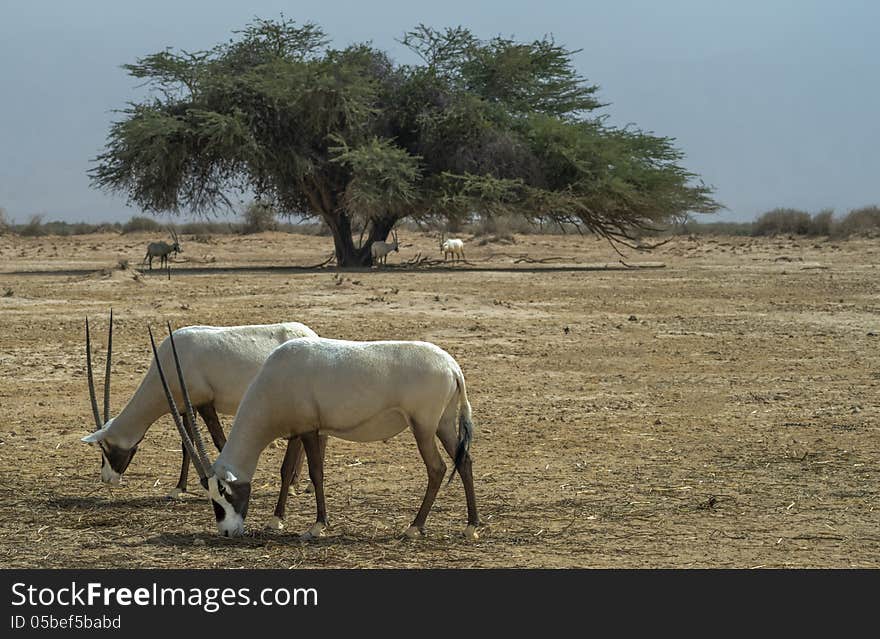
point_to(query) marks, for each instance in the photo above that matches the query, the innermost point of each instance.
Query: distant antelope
(357, 391)
(452, 247)
(380, 250)
(162, 250)
(220, 362)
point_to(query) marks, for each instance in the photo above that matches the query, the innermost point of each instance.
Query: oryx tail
(465, 425)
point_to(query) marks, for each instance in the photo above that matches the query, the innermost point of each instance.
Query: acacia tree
(350, 136)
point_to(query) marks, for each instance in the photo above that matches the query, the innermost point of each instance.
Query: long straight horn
(107, 371)
(98, 423)
(184, 436)
(199, 442)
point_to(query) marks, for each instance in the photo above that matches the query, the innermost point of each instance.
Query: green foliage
(349, 136)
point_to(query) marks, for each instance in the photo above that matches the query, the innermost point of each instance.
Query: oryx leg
(449, 438)
(180, 488)
(436, 470)
(290, 468)
(209, 414)
(315, 454)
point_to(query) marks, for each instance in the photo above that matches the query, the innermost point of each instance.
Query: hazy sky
(775, 102)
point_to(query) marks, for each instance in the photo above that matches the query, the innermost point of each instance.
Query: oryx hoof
(470, 533)
(175, 493)
(316, 531)
(414, 532)
(275, 523)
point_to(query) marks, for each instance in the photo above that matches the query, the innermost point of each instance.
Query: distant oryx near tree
(357, 391)
(451, 247)
(162, 250)
(380, 250)
(220, 363)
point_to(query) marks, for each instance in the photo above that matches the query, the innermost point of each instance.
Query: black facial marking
(219, 513)
(118, 458)
(237, 494)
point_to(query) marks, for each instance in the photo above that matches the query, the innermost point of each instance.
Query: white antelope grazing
(219, 363)
(357, 391)
(162, 250)
(455, 248)
(380, 250)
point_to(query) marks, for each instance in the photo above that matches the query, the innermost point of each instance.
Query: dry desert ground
(718, 412)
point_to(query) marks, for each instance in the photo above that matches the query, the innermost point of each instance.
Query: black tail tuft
(465, 434)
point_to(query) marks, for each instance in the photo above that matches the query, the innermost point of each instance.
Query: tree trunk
(347, 254)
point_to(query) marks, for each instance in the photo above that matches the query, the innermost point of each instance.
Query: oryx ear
(94, 438)
(230, 477)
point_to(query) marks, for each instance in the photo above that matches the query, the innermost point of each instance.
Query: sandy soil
(719, 412)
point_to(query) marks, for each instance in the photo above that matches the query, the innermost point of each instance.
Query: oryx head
(114, 459)
(175, 247)
(229, 496)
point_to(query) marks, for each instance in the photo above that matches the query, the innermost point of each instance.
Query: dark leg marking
(311, 442)
(436, 470)
(213, 423)
(184, 471)
(290, 468)
(450, 443)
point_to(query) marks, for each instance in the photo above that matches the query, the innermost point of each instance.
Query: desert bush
(203, 228)
(863, 221)
(691, 227)
(33, 228)
(822, 223)
(140, 224)
(4, 220)
(782, 221)
(258, 217)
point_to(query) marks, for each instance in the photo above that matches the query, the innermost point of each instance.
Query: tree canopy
(352, 137)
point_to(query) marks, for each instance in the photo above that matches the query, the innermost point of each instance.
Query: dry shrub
(33, 228)
(139, 224)
(259, 217)
(822, 223)
(782, 221)
(863, 221)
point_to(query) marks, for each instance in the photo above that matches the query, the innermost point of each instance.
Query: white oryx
(455, 248)
(219, 363)
(380, 250)
(162, 250)
(357, 391)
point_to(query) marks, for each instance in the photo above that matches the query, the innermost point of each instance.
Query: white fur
(275, 523)
(454, 248)
(316, 531)
(357, 391)
(108, 475)
(232, 524)
(218, 364)
(380, 250)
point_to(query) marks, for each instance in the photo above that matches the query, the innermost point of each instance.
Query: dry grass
(716, 412)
